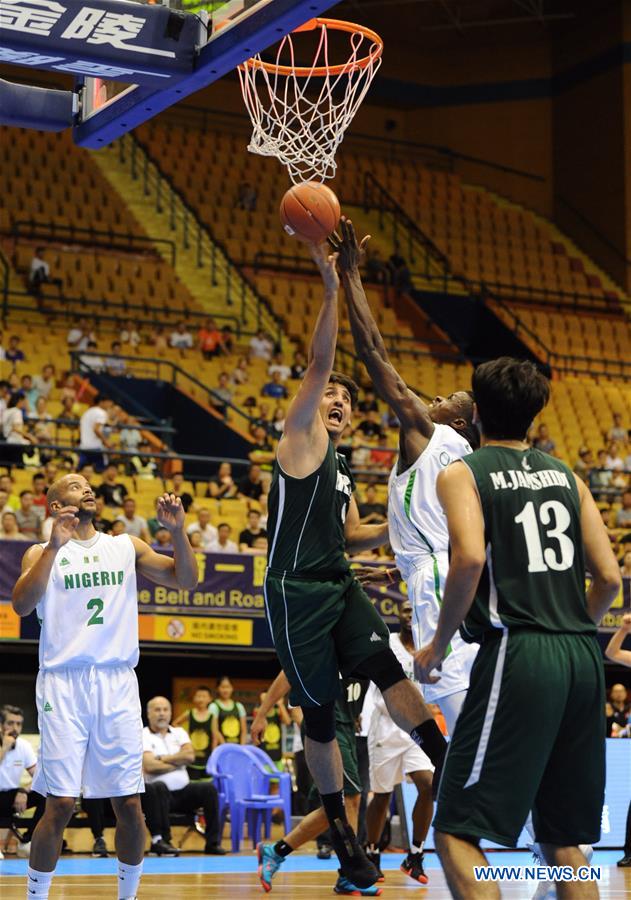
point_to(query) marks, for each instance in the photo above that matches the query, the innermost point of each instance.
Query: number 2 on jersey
(551, 513)
(97, 605)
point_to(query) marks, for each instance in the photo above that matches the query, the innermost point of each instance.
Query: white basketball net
(300, 115)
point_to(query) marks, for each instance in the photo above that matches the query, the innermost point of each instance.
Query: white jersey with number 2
(89, 613)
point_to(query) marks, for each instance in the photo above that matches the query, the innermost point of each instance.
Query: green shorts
(321, 629)
(530, 736)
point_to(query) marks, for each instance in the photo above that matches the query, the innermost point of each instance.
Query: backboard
(132, 60)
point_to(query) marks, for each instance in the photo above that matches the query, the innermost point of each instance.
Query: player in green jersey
(322, 622)
(347, 711)
(531, 731)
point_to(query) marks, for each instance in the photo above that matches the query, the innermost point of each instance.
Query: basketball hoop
(300, 113)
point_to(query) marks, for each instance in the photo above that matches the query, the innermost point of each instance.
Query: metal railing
(109, 239)
(248, 304)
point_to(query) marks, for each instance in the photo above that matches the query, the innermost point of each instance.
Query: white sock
(418, 849)
(38, 884)
(128, 880)
(155, 838)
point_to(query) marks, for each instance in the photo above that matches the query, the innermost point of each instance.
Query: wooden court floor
(235, 876)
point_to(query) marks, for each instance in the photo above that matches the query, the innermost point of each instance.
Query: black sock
(282, 848)
(429, 738)
(334, 807)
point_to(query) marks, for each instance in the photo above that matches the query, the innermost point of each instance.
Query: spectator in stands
(246, 196)
(252, 531)
(167, 753)
(221, 396)
(209, 339)
(228, 722)
(262, 420)
(5, 396)
(614, 460)
(80, 335)
(222, 486)
(275, 388)
(26, 386)
(277, 365)
(370, 427)
(13, 354)
(399, 272)
(251, 485)
(298, 366)
(177, 488)
(196, 721)
(227, 340)
(623, 516)
(93, 440)
(617, 432)
(111, 490)
(39, 493)
(113, 364)
(28, 518)
(41, 422)
(92, 358)
(2, 349)
(223, 543)
(261, 346)
(45, 382)
(134, 524)
(627, 462)
(130, 438)
(7, 484)
(39, 274)
(14, 429)
(181, 338)
(625, 567)
(4, 502)
(142, 465)
(262, 450)
(620, 708)
(278, 423)
(372, 512)
(369, 402)
(129, 335)
(101, 523)
(240, 374)
(376, 269)
(259, 545)
(118, 527)
(195, 540)
(16, 755)
(205, 528)
(158, 340)
(543, 441)
(584, 463)
(9, 528)
(162, 540)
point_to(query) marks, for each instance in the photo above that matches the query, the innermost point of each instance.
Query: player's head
(224, 688)
(405, 616)
(337, 404)
(509, 393)
(458, 411)
(72, 490)
(159, 713)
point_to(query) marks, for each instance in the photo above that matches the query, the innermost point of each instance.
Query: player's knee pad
(320, 722)
(383, 668)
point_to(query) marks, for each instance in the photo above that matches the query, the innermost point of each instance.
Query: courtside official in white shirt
(82, 585)
(16, 755)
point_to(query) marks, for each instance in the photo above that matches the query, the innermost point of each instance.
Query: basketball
(310, 211)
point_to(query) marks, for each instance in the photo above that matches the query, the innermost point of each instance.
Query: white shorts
(392, 759)
(90, 726)
(426, 585)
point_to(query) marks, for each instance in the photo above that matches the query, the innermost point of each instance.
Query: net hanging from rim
(300, 114)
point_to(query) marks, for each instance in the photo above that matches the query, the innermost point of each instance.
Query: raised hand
(64, 526)
(350, 253)
(626, 623)
(170, 512)
(326, 264)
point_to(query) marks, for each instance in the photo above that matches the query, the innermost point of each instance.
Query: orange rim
(323, 71)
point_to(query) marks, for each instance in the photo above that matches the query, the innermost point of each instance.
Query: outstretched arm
(409, 409)
(362, 537)
(614, 649)
(305, 437)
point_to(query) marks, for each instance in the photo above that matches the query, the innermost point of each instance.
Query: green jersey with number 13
(534, 575)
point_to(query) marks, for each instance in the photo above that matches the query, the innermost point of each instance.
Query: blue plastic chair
(284, 786)
(244, 779)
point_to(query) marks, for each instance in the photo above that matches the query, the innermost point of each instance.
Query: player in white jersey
(393, 757)
(82, 585)
(431, 436)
